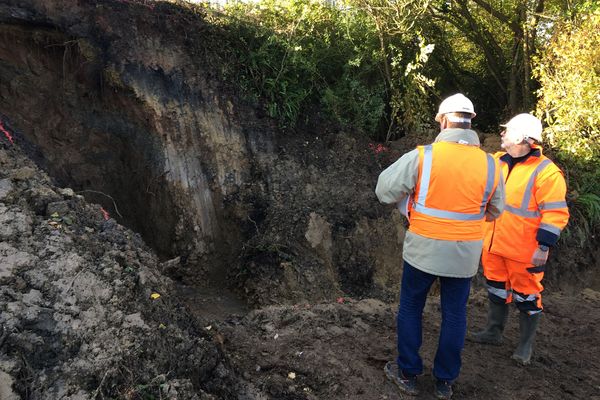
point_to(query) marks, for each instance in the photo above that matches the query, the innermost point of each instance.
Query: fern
(590, 205)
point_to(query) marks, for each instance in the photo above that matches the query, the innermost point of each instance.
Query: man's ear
(443, 122)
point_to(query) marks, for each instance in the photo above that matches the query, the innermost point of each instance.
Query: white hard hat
(524, 126)
(455, 103)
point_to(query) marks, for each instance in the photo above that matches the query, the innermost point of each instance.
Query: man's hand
(539, 260)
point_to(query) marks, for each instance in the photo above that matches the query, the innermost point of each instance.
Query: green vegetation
(569, 101)
(485, 50)
(381, 67)
(569, 72)
(351, 63)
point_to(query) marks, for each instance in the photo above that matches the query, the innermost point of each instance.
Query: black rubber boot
(528, 326)
(492, 334)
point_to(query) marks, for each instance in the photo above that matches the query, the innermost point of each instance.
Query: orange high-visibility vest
(535, 199)
(455, 183)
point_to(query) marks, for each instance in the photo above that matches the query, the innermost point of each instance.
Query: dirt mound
(133, 94)
(86, 314)
(323, 232)
(85, 311)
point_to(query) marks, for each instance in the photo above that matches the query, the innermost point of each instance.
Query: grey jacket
(457, 259)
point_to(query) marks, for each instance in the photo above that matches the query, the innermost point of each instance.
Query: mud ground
(306, 310)
(80, 322)
(337, 351)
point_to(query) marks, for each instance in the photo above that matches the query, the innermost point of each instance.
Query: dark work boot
(492, 334)
(443, 390)
(527, 326)
(407, 384)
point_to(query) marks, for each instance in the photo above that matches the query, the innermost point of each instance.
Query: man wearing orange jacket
(447, 190)
(516, 245)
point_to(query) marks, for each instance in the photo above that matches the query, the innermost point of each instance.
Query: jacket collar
(456, 135)
(536, 151)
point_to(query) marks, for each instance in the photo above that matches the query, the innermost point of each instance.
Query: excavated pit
(126, 99)
(156, 151)
(88, 137)
(129, 106)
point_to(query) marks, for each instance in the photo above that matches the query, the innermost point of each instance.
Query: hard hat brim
(438, 116)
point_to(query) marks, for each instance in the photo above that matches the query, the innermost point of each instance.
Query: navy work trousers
(413, 294)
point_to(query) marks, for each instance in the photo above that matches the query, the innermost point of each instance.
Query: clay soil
(79, 322)
(305, 303)
(337, 351)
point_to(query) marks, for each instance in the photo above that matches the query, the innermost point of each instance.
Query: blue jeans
(454, 296)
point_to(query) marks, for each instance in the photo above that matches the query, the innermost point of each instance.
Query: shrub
(569, 101)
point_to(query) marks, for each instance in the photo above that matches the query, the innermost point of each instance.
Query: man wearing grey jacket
(447, 190)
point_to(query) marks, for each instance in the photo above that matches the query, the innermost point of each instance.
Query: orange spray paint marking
(105, 214)
(6, 133)
(378, 149)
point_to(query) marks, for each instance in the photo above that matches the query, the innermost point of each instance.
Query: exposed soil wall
(113, 102)
(85, 314)
(125, 103)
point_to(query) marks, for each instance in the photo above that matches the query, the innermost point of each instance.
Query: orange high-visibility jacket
(454, 186)
(535, 210)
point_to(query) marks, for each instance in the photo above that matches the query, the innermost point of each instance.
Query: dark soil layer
(123, 101)
(337, 351)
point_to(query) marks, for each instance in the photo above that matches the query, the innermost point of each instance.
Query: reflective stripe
(491, 175)
(433, 212)
(520, 299)
(522, 210)
(553, 205)
(529, 188)
(534, 312)
(550, 228)
(502, 293)
(425, 174)
(522, 213)
(419, 205)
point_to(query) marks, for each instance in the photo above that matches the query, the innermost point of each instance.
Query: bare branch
(104, 194)
(498, 15)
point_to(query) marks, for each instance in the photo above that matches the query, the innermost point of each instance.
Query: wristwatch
(543, 247)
